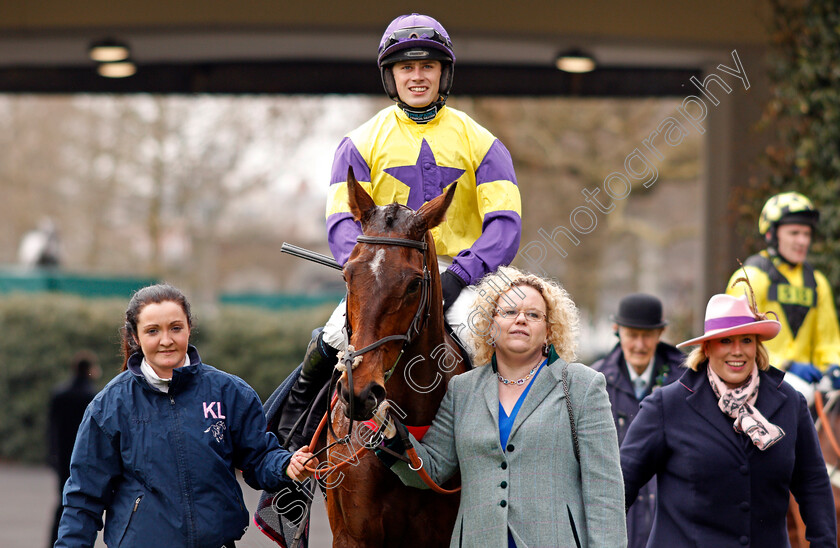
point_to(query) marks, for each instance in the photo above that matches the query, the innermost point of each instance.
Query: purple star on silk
(425, 179)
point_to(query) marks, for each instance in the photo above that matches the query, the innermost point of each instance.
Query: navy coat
(625, 406)
(715, 488)
(163, 465)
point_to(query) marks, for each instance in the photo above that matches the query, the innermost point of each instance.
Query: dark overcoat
(715, 488)
(625, 406)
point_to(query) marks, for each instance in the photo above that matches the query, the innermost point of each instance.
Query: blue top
(506, 423)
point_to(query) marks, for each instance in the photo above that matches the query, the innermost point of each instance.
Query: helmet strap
(425, 114)
(773, 251)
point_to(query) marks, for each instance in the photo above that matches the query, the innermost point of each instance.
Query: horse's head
(392, 288)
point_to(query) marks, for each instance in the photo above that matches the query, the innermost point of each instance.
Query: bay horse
(395, 319)
(828, 431)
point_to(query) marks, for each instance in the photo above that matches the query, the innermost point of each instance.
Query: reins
(335, 467)
(414, 460)
(417, 465)
(818, 401)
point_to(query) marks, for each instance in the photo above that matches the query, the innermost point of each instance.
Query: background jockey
(410, 153)
(787, 284)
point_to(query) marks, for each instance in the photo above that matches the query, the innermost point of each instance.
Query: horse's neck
(426, 369)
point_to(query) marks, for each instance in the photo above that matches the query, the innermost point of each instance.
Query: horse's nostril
(377, 395)
(343, 393)
(366, 402)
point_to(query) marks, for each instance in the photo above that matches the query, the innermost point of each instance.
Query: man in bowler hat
(636, 366)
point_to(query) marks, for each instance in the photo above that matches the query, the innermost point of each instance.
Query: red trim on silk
(418, 431)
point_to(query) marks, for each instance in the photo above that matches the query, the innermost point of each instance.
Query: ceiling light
(108, 50)
(118, 69)
(575, 60)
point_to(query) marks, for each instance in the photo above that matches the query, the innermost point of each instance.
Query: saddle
(283, 516)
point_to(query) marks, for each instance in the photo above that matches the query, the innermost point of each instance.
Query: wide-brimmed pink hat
(727, 315)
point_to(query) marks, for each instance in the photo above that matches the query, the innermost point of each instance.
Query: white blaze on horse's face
(376, 263)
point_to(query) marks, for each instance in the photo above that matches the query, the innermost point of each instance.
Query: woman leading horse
(530, 433)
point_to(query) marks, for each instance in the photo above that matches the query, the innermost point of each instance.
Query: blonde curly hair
(562, 323)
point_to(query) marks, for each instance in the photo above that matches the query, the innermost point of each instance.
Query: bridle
(350, 357)
(421, 315)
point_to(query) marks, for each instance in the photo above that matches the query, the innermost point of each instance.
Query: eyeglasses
(415, 33)
(532, 315)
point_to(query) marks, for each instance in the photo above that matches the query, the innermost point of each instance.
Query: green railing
(50, 280)
(281, 301)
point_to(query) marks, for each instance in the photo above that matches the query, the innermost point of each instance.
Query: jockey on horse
(785, 283)
(808, 345)
(410, 153)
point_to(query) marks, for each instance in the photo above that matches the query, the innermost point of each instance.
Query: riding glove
(805, 371)
(452, 284)
(833, 373)
(396, 445)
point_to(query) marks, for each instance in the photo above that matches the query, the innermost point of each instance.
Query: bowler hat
(727, 316)
(640, 311)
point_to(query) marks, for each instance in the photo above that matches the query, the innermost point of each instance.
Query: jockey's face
(418, 82)
(163, 334)
(794, 241)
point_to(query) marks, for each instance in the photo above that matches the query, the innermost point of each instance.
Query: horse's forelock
(392, 219)
(391, 215)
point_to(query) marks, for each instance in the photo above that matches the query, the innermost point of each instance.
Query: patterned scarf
(739, 403)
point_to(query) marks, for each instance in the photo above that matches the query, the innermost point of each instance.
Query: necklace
(521, 381)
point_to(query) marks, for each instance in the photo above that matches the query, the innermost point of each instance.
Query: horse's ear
(434, 211)
(361, 204)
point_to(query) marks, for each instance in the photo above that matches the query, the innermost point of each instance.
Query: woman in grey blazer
(506, 428)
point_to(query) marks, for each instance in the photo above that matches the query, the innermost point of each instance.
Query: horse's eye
(413, 286)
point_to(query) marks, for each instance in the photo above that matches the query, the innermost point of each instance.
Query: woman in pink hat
(728, 442)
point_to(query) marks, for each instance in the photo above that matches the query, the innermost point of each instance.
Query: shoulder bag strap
(571, 415)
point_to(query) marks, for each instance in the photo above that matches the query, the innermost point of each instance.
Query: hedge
(40, 333)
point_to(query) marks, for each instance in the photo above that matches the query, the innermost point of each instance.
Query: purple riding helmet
(411, 37)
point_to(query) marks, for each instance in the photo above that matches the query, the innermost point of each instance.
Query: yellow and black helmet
(787, 208)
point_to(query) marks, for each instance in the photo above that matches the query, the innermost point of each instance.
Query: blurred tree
(560, 148)
(201, 190)
(30, 141)
(804, 114)
(167, 186)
